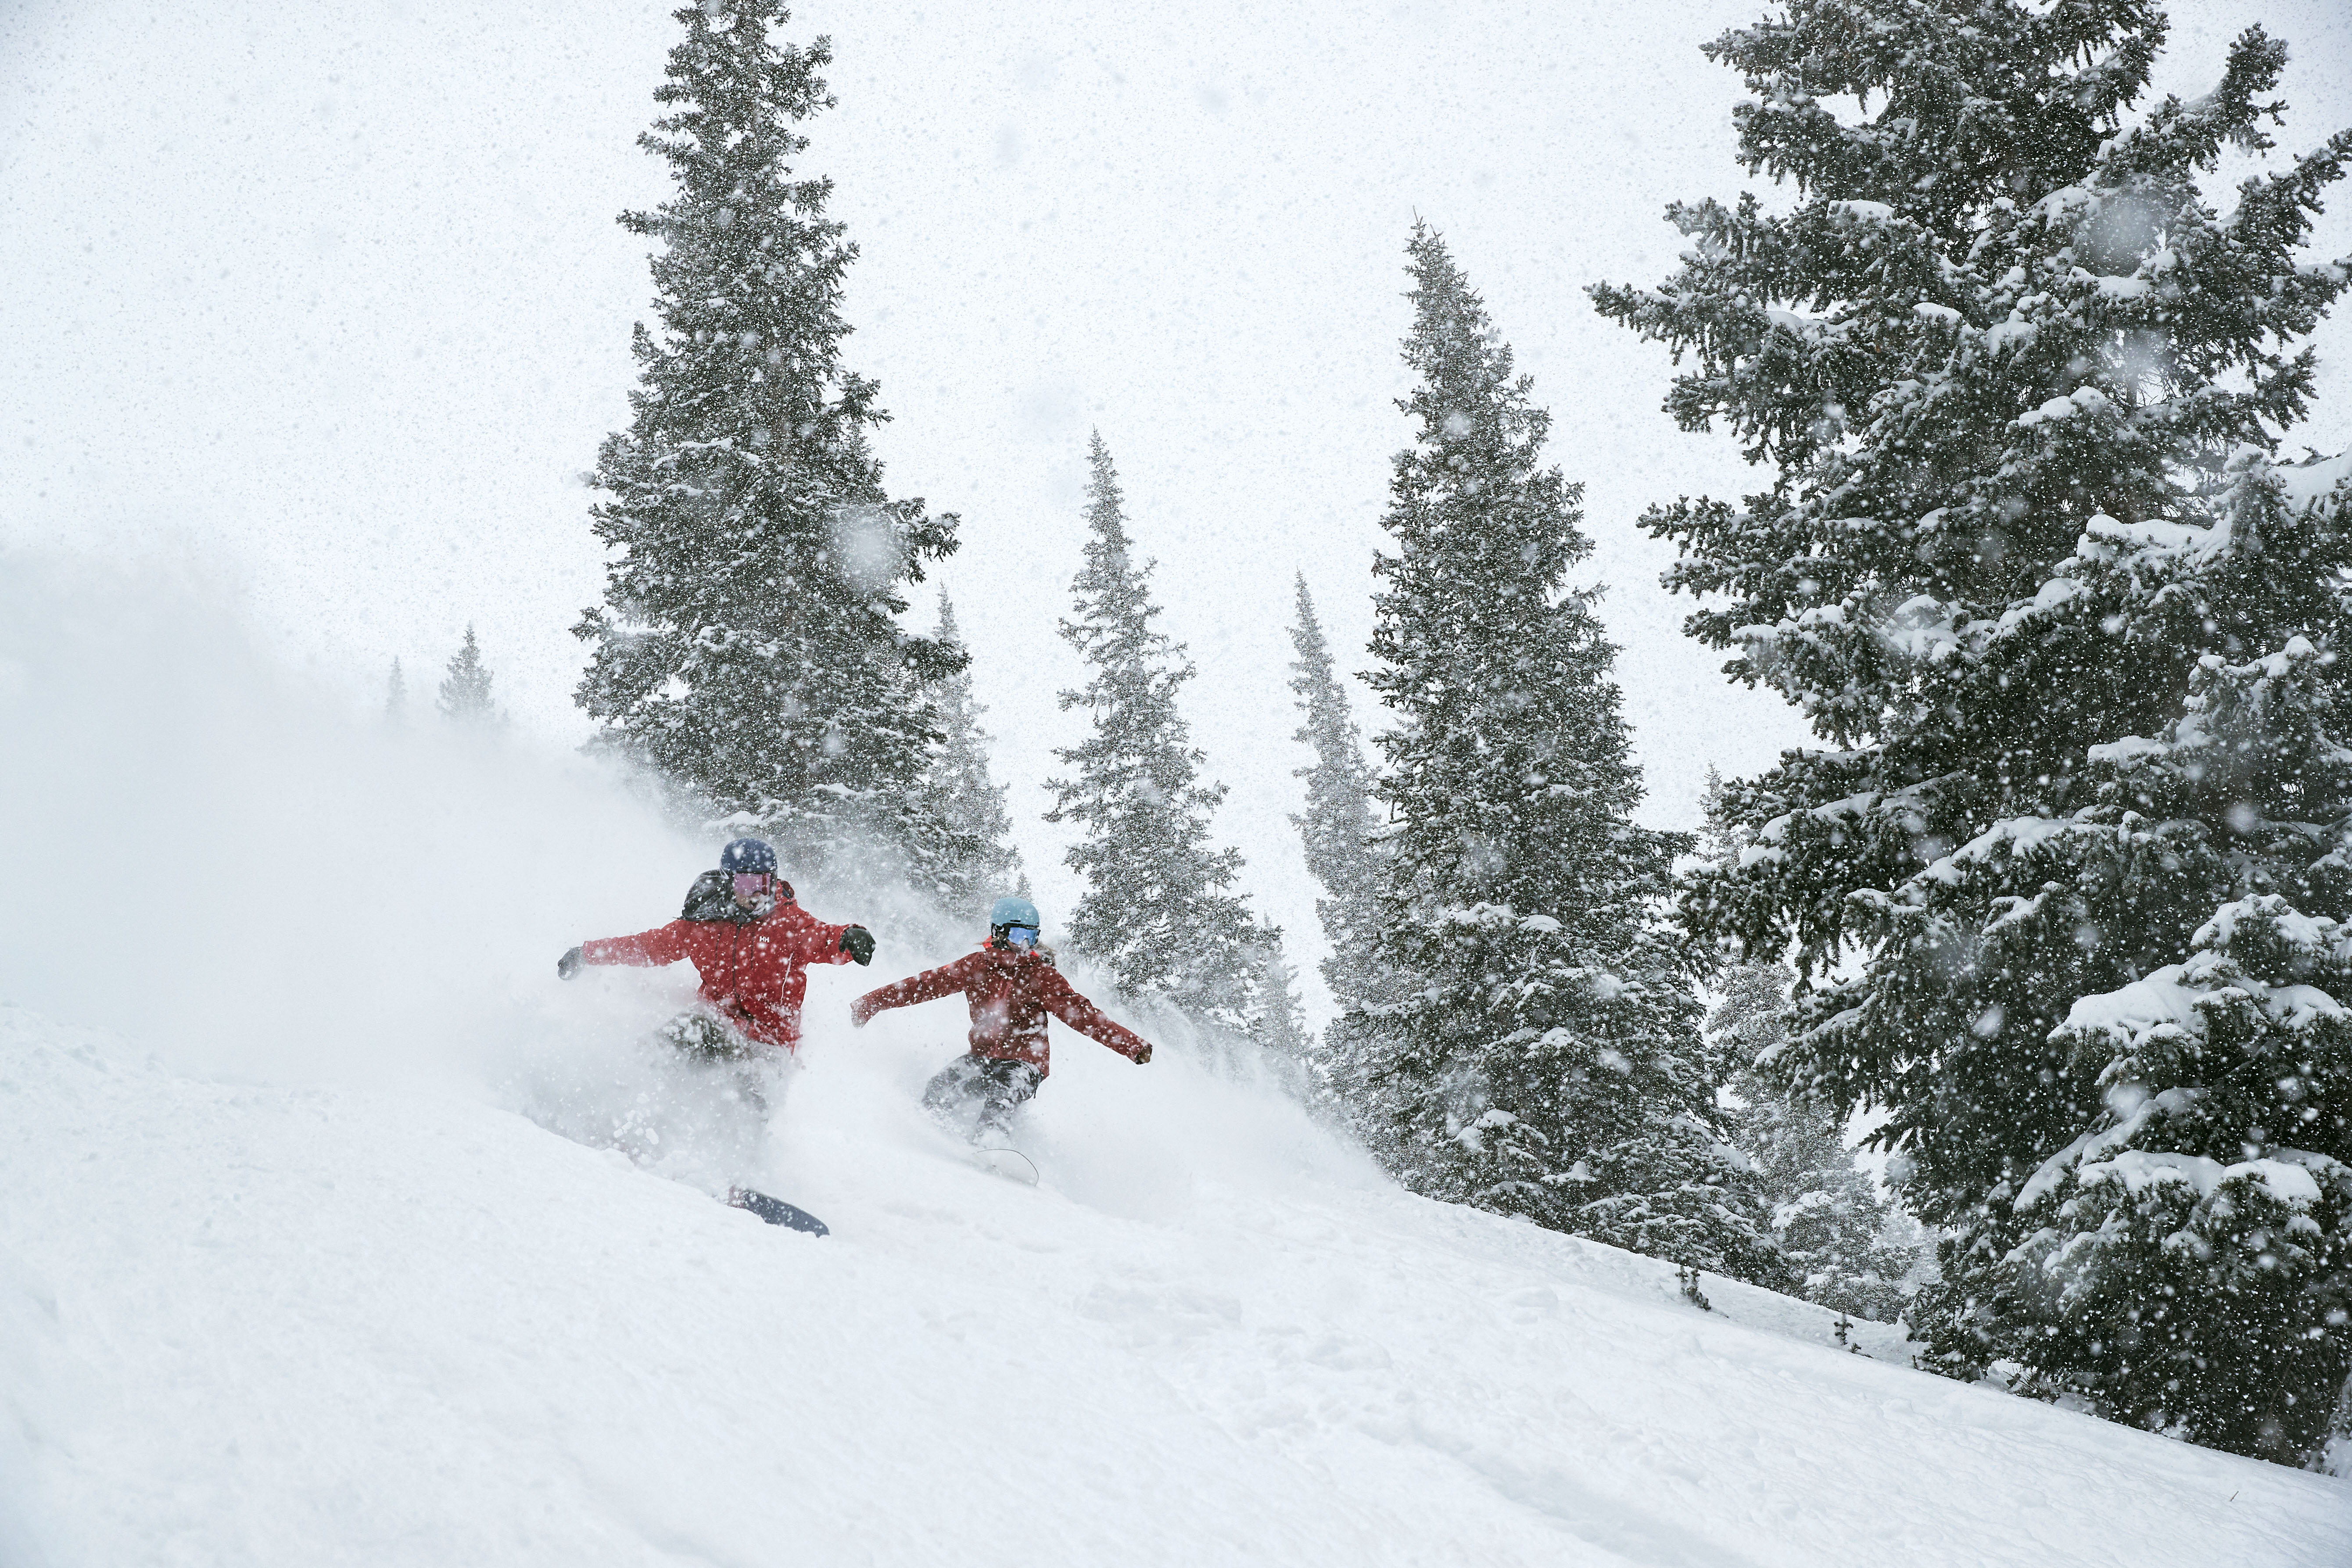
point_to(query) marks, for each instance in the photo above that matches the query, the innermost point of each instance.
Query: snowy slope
(317, 1245)
(270, 1325)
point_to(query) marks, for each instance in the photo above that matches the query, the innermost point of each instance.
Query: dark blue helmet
(747, 856)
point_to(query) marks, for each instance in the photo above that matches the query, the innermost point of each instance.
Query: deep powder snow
(334, 1229)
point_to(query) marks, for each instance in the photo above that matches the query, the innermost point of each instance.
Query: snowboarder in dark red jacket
(1012, 985)
(750, 942)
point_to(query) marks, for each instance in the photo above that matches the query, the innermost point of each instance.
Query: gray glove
(568, 965)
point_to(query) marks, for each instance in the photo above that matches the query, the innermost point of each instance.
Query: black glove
(568, 965)
(858, 943)
(1144, 1055)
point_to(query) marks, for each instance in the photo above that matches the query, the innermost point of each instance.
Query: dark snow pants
(708, 1042)
(975, 1094)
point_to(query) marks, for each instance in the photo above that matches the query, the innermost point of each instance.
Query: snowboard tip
(1010, 1164)
(776, 1211)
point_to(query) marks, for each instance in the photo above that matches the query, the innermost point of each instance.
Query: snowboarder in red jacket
(748, 940)
(1012, 985)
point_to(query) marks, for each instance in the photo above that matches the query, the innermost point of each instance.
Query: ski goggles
(754, 883)
(1022, 936)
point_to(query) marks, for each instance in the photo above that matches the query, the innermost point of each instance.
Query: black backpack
(712, 898)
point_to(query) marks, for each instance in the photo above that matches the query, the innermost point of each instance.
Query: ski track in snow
(243, 1323)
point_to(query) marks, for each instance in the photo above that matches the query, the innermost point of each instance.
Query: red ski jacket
(754, 973)
(1010, 991)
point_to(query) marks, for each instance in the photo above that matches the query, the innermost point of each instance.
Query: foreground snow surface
(256, 1324)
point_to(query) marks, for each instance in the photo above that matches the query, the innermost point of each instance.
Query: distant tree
(1545, 1058)
(1158, 913)
(1845, 1246)
(1338, 829)
(395, 696)
(1278, 1020)
(465, 689)
(748, 648)
(967, 798)
(2069, 879)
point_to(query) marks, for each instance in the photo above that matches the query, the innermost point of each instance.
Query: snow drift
(333, 1227)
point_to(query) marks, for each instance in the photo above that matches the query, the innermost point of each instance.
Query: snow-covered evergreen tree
(1546, 1059)
(966, 797)
(465, 695)
(395, 696)
(1159, 914)
(2071, 639)
(748, 647)
(1338, 827)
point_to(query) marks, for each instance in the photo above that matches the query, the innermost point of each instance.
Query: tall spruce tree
(1546, 1059)
(748, 648)
(2072, 641)
(1158, 913)
(395, 696)
(465, 695)
(1338, 827)
(966, 797)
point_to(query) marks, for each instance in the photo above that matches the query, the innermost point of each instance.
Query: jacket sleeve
(662, 945)
(1061, 998)
(818, 942)
(929, 986)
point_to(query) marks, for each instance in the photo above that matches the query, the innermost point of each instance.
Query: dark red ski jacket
(1010, 991)
(755, 973)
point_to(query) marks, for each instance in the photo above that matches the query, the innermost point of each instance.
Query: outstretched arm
(931, 984)
(816, 942)
(1061, 998)
(662, 945)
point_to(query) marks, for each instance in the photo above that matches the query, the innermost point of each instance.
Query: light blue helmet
(1013, 911)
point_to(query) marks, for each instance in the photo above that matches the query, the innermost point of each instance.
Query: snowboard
(776, 1211)
(1010, 1164)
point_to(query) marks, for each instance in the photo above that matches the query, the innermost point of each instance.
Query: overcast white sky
(334, 292)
